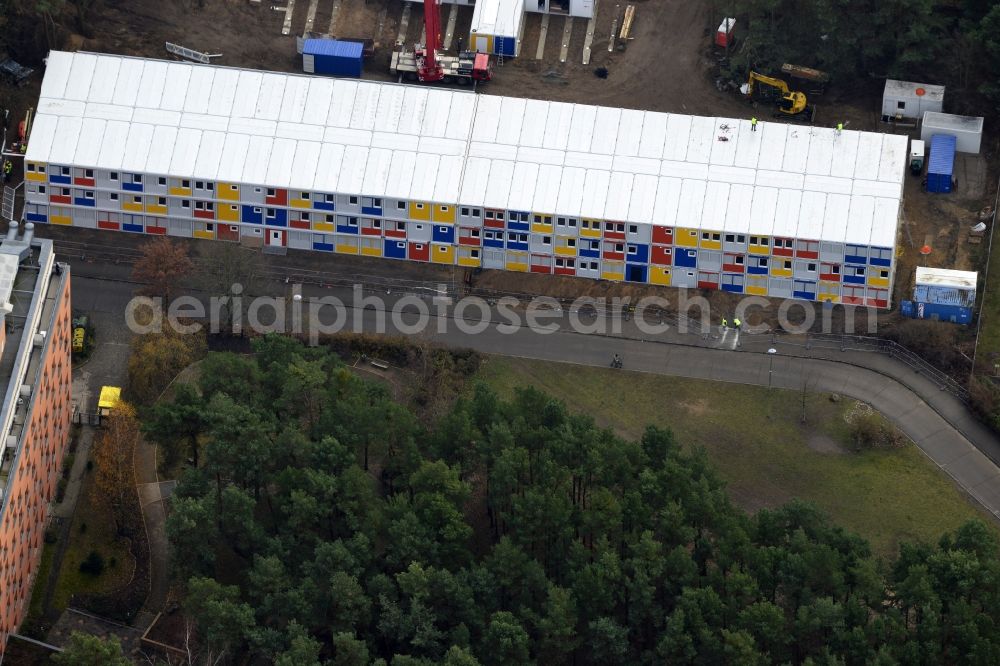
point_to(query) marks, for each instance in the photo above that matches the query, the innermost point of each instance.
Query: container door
(481, 43)
(275, 237)
(308, 63)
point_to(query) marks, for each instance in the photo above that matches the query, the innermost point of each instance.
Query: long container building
(457, 178)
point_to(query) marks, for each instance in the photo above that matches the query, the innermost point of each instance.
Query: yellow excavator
(789, 102)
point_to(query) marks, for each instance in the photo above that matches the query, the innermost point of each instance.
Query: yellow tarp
(110, 395)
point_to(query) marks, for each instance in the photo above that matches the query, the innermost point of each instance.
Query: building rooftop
(945, 277)
(29, 288)
(434, 144)
(897, 89)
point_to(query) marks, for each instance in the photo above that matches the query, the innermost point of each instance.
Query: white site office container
(967, 130)
(905, 100)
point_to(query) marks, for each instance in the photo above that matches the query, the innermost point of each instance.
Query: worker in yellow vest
(737, 323)
(753, 124)
(8, 168)
(725, 324)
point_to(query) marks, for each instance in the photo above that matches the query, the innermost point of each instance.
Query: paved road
(936, 421)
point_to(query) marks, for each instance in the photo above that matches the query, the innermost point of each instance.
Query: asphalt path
(936, 421)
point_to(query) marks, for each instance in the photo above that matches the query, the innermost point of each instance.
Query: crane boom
(430, 69)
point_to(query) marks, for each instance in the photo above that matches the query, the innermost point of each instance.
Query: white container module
(967, 130)
(496, 27)
(906, 100)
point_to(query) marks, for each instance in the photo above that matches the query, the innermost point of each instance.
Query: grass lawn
(99, 535)
(988, 351)
(760, 446)
(38, 589)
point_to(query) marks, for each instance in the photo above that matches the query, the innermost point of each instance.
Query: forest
(956, 43)
(325, 523)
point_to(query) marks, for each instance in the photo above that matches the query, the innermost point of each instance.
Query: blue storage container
(332, 57)
(941, 165)
(951, 313)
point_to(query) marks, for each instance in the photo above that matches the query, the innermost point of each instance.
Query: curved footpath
(935, 420)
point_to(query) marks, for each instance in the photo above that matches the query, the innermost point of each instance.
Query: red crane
(429, 69)
(430, 65)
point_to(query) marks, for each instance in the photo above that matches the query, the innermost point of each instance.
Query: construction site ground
(669, 65)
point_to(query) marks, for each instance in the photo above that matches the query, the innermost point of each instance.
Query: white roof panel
(595, 193)
(186, 152)
(352, 178)
(738, 212)
(400, 174)
(835, 218)
(629, 133)
(811, 215)
(255, 165)
(859, 220)
(206, 165)
(414, 107)
(487, 119)
(175, 86)
(88, 147)
(94, 110)
(894, 155)
(66, 137)
(43, 131)
(691, 204)
(113, 145)
(713, 215)
(619, 196)
(477, 180)
(154, 77)
(512, 114)
(102, 87)
(496, 193)
(885, 222)
(571, 191)
(675, 146)
(199, 90)
(81, 75)
(57, 68)
(772, 145)
(668, 196)
(390, 107)
(376, 172)
(270, 96)
(522, 186)
(547, 189)
(293, 102)
(845, 153)
(448, 180)
(247, 91)
(318, 101)
(643, 200)
(654, 135)
(127, 86)
(422, 186)
(331, 156)
(786, 218)
(223, 93)
(162, 148)
(533, 132)
(581, 132)
(137, 148)
(820, 158)
(700, 141)
(869, 156)
(762, 210)
(306, 165)
(234, 154)
(726, 140)
(796, 149)
(748, 145)
(603, 141)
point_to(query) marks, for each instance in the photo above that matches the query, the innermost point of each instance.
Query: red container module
(724, 35)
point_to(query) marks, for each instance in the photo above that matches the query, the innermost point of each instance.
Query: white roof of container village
(498, 17)
(447, 146)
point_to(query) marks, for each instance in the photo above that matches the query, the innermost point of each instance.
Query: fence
(878, 346)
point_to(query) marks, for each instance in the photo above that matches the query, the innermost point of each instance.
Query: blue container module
(955, 314)
(941, 165)
(332, 57)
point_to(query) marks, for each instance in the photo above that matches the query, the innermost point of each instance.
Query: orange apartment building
(36, 413)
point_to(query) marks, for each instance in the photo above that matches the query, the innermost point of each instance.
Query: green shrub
(93, 565)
